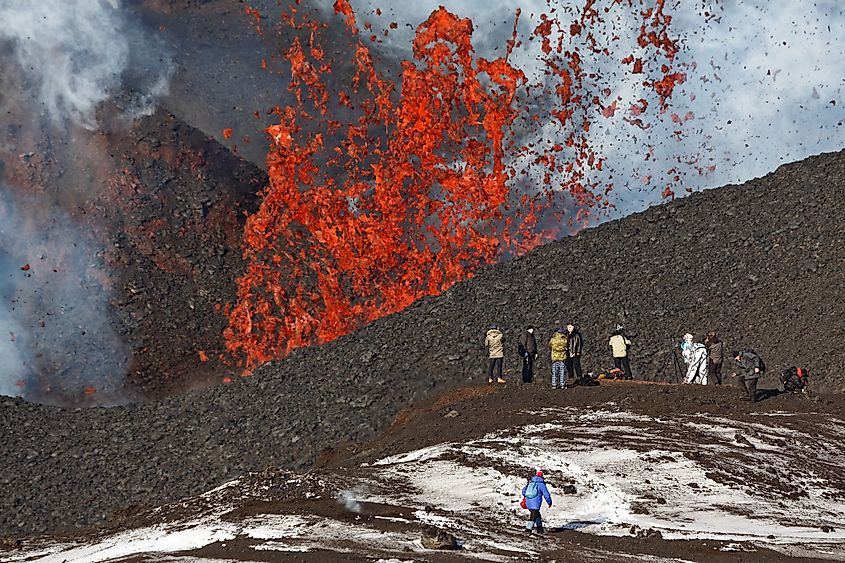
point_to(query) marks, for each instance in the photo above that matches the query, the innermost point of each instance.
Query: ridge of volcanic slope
(758, 262)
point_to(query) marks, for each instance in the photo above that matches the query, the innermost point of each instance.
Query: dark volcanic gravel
(761, 263)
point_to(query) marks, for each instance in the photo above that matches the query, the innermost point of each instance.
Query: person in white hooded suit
(695, 356)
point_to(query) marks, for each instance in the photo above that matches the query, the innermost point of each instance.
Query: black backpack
(794, 379)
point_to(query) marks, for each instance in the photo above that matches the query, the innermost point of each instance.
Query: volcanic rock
(435, 538)
(66, 468)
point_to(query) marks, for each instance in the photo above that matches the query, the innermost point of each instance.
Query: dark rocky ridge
(761, 263)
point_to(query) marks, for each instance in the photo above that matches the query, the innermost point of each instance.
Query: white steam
(78, 54)
(348, 499)
(57, 336)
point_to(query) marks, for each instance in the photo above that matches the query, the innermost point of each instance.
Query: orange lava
(363, 215)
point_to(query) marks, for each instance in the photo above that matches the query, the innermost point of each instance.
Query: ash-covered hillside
(760, 263)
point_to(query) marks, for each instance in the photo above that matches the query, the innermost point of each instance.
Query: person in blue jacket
(534, 492)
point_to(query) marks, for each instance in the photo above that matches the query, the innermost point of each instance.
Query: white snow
(712, 486)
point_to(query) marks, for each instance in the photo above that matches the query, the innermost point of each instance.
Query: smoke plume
(57, 339)
(348, 498)
(77, 54)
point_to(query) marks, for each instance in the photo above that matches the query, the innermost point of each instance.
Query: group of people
(565, 345)
(704, 363)
(565, 348)
(704, 360)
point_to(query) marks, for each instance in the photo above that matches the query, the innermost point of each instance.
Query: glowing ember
(365, 214)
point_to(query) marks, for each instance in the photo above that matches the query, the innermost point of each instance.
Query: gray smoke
(77, 54)
(56, 333)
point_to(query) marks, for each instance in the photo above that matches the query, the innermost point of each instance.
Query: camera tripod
(672, 360)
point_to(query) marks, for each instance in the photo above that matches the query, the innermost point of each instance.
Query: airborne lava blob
(419, 188)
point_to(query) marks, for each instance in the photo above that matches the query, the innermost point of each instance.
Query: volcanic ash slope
(761, 263)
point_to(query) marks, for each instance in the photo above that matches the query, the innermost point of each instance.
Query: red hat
(539, 473)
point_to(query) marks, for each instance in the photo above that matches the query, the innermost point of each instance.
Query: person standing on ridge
(573, 352)
(495, 343)
(750, 367)
(619, 345)
(558, 345)
(528, 352)
(534, 492)
(715, 356)
(695, 355)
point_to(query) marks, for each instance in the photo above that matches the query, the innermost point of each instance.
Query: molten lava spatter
(365, 214)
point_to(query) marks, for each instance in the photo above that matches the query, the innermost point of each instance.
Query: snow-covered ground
(764, 482)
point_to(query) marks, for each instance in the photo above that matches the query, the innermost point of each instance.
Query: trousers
(534, 521)
(528, 367)
(494, 365)
(573, 367)
(559, 373)
(623, 364)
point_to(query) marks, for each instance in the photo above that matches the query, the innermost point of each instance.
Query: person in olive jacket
(527, 350)
(715, 356)
(750, 367)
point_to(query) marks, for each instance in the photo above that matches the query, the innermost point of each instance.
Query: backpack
(762, 365)
(794, 379)
(532, 490)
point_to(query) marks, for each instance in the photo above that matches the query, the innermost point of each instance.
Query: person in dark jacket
(527, 349)
(534, 503)
(573, 358)
(749, 367)
(715, 356)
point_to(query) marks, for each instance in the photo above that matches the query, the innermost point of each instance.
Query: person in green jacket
(558, 345)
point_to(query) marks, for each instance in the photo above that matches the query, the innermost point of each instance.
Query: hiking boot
(489, 382)
(502, 381)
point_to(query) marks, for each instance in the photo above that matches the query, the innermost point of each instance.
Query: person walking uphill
(620, 344)
(533, 494)
(715, 357)
(528, 352)
(750, 367)
(573, 351)
(558, 346)
(495, 343)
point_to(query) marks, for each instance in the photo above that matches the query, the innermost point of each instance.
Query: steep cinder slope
(761, 263)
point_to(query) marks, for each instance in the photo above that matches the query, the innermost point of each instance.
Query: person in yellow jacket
(558, 345)
(495, 343)
(619, 345)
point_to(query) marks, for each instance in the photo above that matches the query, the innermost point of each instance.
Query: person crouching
(534, 492)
